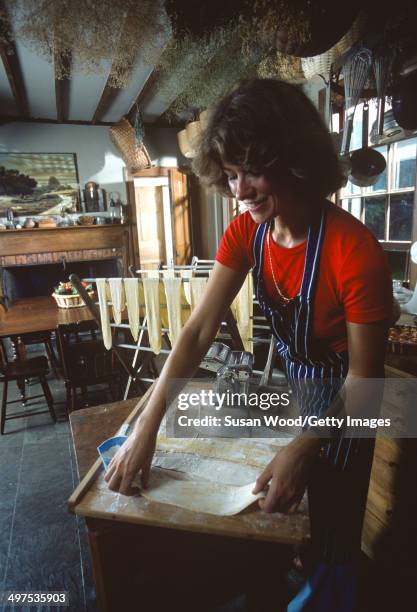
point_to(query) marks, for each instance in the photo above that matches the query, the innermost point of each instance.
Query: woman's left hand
(288, 473)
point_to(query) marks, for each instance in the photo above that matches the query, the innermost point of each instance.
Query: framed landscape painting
(38, 183)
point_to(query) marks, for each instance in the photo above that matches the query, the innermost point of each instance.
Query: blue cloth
(330, 588)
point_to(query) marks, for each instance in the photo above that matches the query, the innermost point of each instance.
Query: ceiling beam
(13, 70)
(11, 119)
(107, 98)
(62, 65)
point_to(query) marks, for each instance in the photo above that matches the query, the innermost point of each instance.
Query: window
(387, 207)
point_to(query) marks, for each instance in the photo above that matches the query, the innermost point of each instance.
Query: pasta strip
(101, 285)
(173, 301)
(243, 304)
(187, 274)
(117, 298)
(198, 285)
(151, 293)
(131, 286)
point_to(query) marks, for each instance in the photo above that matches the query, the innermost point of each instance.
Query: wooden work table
(176, 561)
(179, 561)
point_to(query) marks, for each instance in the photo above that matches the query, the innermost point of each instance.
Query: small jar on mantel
(29, 223)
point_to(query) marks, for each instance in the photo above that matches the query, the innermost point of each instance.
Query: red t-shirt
(354, 281)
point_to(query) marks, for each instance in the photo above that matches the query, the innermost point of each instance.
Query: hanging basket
(134, 154)
(183, 144)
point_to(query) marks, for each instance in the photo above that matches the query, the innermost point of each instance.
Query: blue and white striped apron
(338, 486)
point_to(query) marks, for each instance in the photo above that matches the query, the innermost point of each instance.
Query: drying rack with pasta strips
(142, 346)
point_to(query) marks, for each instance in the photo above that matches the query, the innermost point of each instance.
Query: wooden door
(150, 226)
(181, 221)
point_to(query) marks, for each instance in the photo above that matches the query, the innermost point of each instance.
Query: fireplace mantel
(36, 246)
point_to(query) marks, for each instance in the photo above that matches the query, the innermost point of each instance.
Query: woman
(322, 282)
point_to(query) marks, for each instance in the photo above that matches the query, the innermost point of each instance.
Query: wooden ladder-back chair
(85, 361)
(36, 367)
(23, 340)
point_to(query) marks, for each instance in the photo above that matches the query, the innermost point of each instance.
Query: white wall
(97, 158)
(162, 146)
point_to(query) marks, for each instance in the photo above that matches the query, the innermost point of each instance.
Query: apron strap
(313, 250)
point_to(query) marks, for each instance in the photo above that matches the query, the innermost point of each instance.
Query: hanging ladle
(366, 163)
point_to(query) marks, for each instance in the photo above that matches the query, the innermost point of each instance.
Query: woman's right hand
(135, 455)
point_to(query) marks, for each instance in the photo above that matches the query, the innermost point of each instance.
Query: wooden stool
(18, 370)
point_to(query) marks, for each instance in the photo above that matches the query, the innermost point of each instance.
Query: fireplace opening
(33, 281)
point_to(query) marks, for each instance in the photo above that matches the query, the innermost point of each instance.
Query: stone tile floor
(42, 546)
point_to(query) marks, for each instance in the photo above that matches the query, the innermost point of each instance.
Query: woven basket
(204, 118)
(183, 143)
(134, 154)
(70, 301)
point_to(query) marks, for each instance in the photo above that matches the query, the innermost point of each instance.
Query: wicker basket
(70, 301)
(134, 155)
(86, 220)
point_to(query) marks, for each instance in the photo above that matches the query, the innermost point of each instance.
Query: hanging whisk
(355, 74)
(382, 67)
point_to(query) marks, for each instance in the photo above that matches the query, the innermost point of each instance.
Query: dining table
(31, 320)
(39, 314)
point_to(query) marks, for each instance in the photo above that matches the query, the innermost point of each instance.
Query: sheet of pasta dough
(178, 489)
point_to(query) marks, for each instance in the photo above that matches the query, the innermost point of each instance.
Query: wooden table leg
(95, 539)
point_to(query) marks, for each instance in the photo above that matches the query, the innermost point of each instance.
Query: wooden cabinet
(390, 526)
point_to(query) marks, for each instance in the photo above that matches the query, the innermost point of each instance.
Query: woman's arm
(191, 346)
(289, 470)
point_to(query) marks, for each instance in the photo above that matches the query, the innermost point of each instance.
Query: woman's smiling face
(257, 192)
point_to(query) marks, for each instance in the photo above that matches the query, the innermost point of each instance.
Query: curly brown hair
(272, 128)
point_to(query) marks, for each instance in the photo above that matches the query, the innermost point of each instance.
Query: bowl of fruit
(66, 294)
